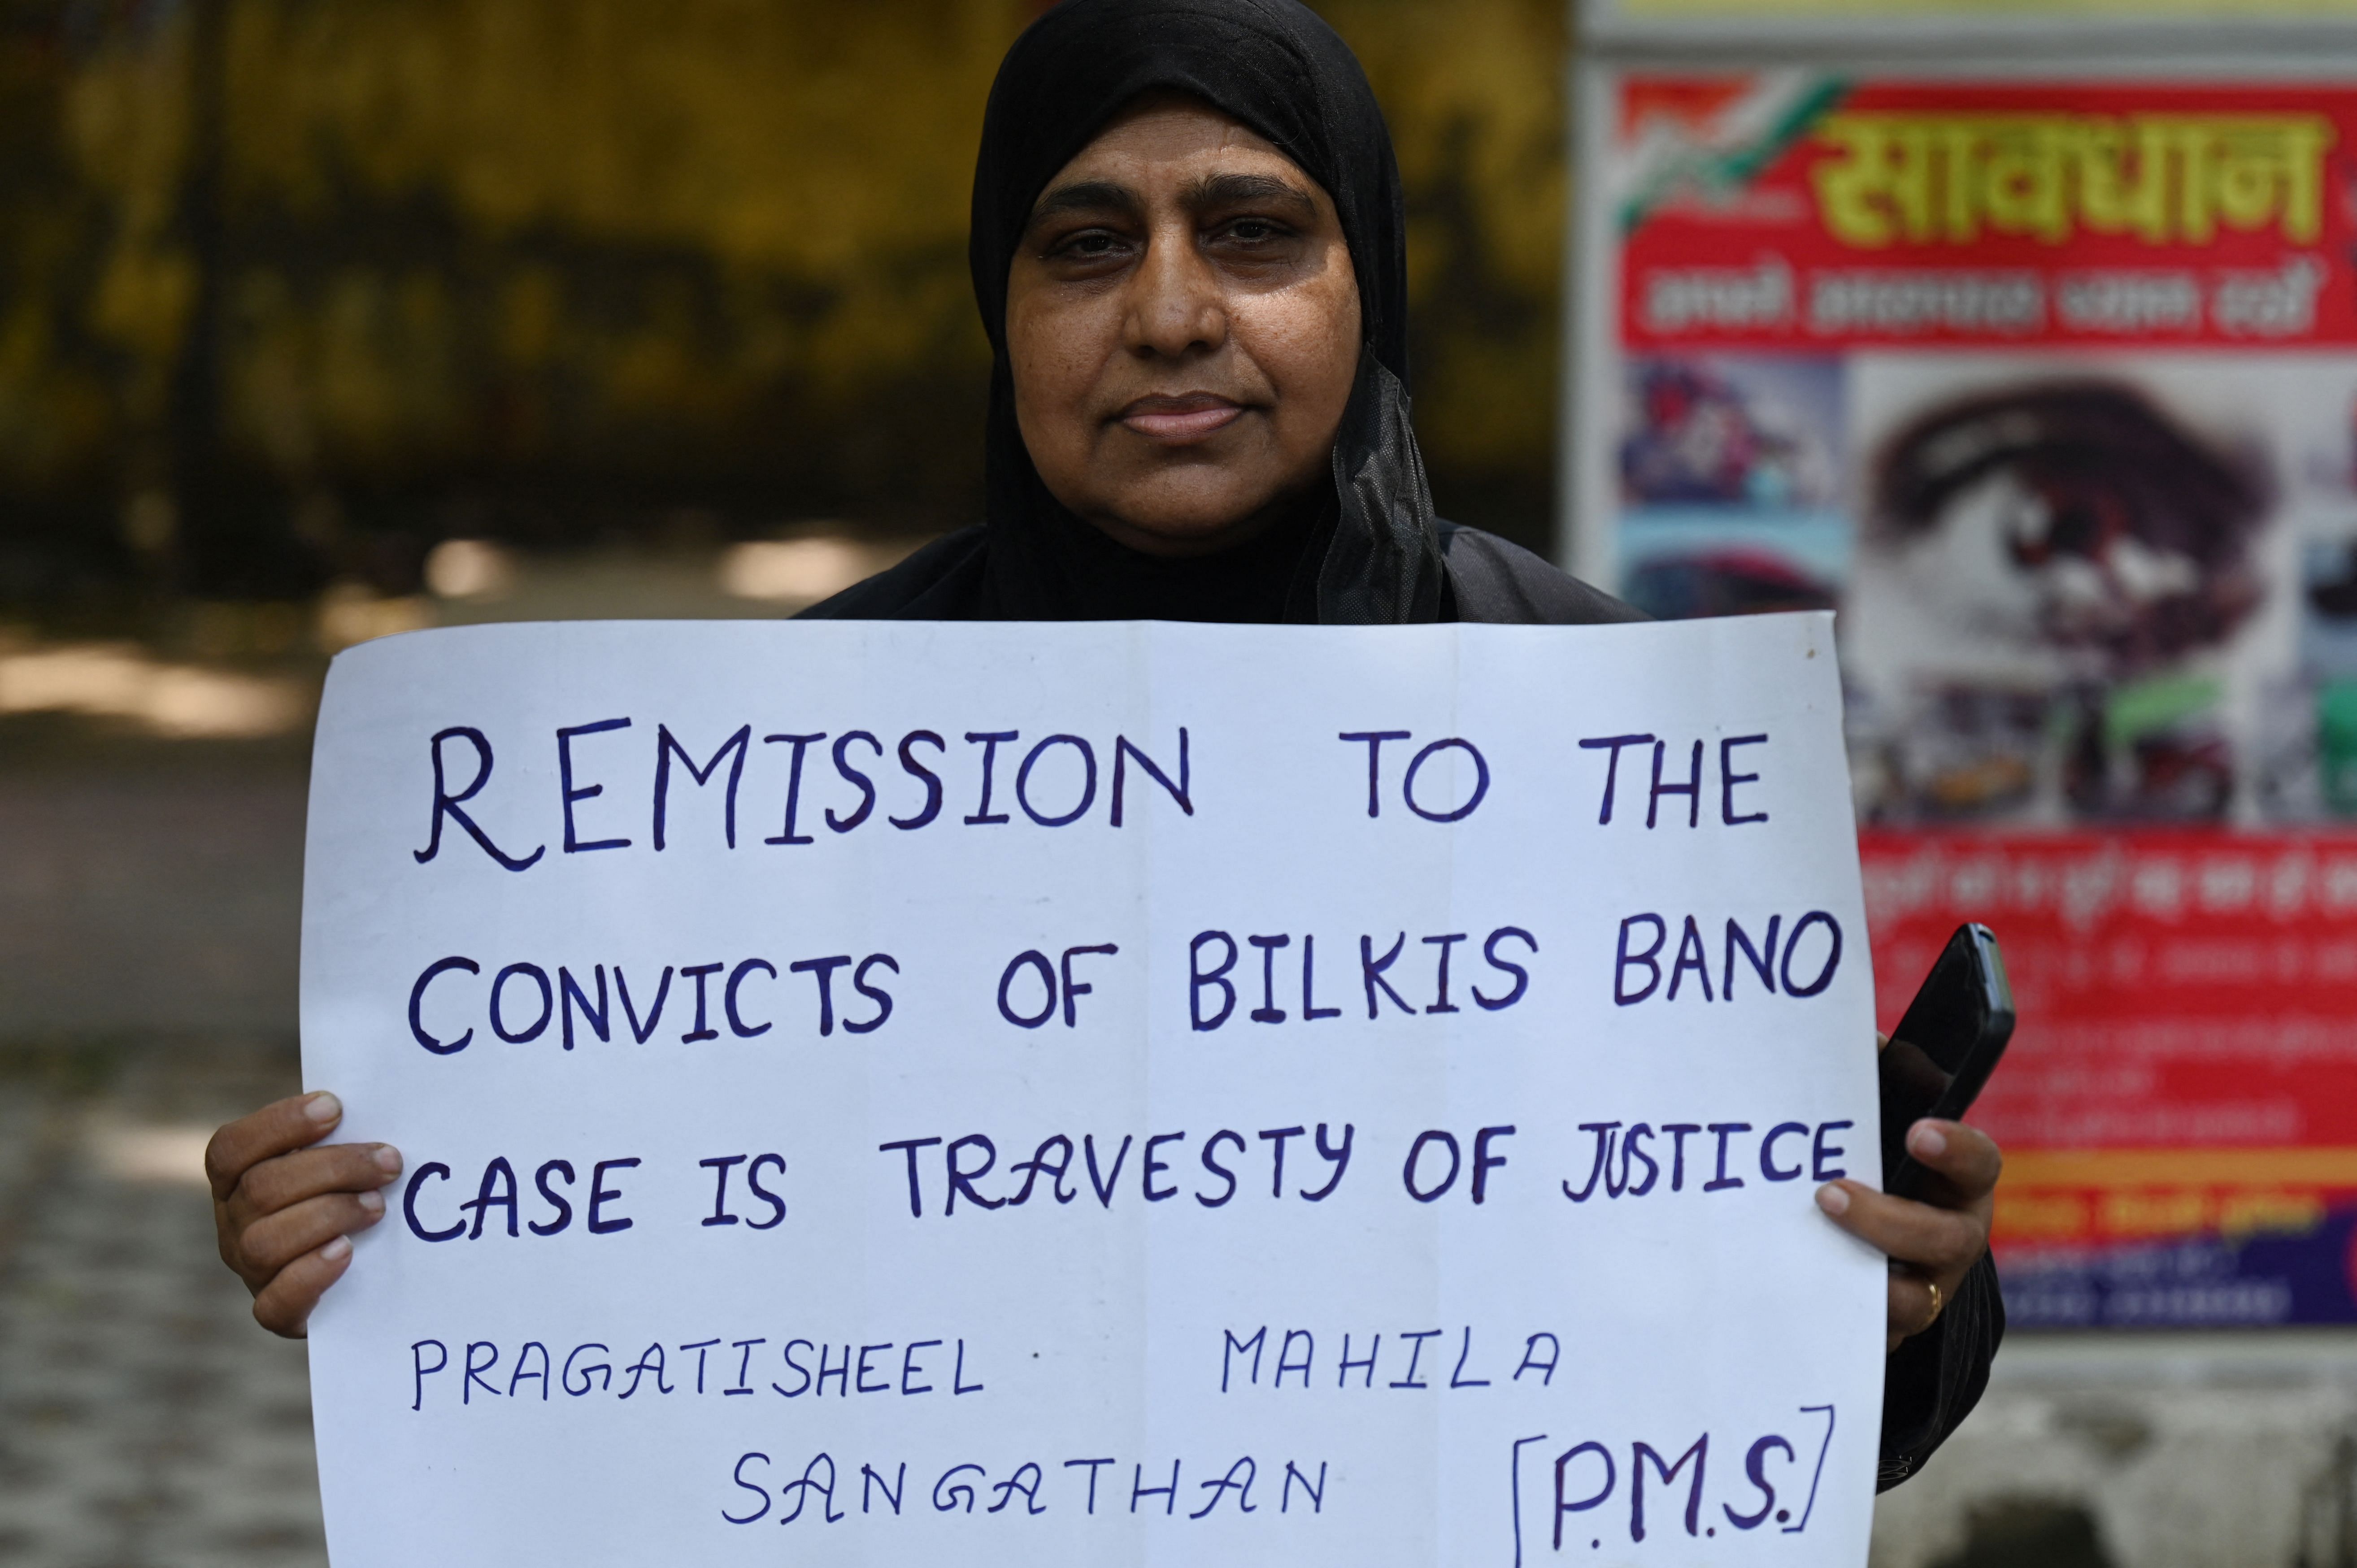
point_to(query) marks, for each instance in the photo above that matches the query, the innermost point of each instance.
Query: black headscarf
(1367, 551)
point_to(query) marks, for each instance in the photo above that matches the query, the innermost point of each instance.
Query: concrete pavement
(145, 1421)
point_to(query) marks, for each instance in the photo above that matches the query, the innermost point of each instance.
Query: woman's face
(1182, 322)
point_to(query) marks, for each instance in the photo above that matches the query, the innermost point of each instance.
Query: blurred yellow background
(297, 288)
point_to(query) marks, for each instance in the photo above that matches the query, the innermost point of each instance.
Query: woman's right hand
(285, 1211)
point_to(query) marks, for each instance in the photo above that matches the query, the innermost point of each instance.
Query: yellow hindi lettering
(1882, 191)
(2017, 173)
(2123, 169)
(2252, 172)
(1930, 177)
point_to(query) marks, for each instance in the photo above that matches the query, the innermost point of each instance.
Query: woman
(1188, 247)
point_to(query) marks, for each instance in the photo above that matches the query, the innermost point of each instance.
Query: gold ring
(1938, 1305)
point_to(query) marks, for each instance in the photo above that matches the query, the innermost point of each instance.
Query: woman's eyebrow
(1245, 189)
(1086, 196)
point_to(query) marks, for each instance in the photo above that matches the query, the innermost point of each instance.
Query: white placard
(1131, 1093)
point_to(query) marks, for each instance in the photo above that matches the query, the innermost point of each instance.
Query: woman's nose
(1175, 307)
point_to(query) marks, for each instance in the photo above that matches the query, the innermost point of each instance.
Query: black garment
(1931, 1382)
(1368, 553)
(1490, 579)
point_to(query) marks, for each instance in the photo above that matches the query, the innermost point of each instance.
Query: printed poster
(2050, 388)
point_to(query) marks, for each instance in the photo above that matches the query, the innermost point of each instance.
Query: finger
(268, 1245)
(1911, 1311)
(284, 1305)
(1940, 1242)
(1967, 1157)
(280, 1183)
(275, 1129)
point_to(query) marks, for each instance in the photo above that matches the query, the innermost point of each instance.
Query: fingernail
(1832, 1199)
(388, 1159)
(338, 1250)
(323, 1108)
(371, 1203)
(1927, 1141)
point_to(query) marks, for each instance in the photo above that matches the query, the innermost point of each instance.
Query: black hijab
(1369, 552)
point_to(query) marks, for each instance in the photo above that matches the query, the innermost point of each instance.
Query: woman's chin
(1205, 527)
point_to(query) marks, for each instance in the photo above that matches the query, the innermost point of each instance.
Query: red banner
(2186, 1068)
(1924, 213)
(2049, 387)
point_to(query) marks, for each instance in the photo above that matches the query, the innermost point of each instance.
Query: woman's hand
(285, 1212)
(1935, 1240)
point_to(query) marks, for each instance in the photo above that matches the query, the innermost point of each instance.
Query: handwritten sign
(1096, 1093)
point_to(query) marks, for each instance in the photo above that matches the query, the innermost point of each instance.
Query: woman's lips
(1177, 420)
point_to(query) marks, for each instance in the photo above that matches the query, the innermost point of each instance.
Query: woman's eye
(1092, 245)
(1254, 236)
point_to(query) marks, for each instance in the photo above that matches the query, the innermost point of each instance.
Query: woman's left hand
(1936, 1241)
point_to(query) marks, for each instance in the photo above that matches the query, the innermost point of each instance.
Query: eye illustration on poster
(2048, 386)
(2061, 610)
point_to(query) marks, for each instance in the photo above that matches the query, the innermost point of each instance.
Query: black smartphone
(1943, 1050)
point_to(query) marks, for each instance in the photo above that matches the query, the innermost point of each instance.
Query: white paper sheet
(739, 1310)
